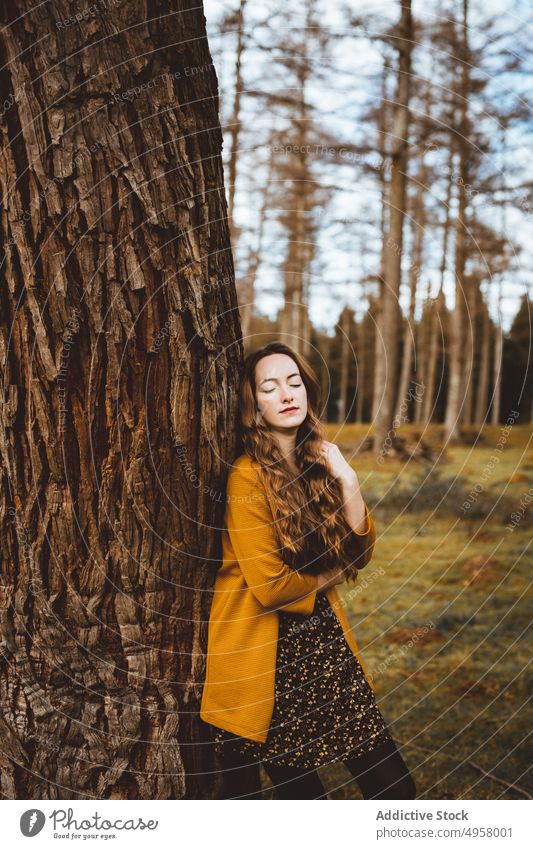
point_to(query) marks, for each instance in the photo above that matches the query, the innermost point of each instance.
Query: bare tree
(235, 123)
(247, 296)
(418, 226)
(482, 394)
(345, 321)
(300, 199)
(382, 120)
(459, 371)
(436, 306)
(389, 318)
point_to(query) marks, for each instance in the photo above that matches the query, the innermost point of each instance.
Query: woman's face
(279, 387)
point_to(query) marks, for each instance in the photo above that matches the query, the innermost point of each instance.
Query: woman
(285, 683)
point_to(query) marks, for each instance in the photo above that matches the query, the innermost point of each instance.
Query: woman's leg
(382, 773)
(294, 783)
(240, 776)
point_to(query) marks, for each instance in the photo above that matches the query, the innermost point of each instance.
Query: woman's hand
(336, 464)
(329, 578)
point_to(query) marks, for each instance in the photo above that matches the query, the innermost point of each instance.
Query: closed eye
(293, 386)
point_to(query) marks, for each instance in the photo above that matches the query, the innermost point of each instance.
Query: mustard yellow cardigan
(251, 585)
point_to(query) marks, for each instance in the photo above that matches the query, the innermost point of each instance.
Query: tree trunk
(362, 370)
(121, 350)
(295, 328)
(390, 315)
(497, 362)
(483, 381)
(324, 375)
(435, 319)
(235, 125)
(256, 254)
(457, 354)
(379, 354)
(345, 361)
(419, 225)
(422, 332)
(470, 345)
(498, 331)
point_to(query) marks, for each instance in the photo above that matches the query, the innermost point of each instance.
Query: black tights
(380, 774)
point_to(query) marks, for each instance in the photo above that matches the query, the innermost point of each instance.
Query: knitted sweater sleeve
(250, 527)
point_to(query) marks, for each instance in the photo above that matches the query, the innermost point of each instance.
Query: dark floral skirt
(324, 708)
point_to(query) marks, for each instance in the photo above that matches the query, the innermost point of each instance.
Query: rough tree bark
(121, 351)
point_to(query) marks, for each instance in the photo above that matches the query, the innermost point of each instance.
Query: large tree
(121, 353)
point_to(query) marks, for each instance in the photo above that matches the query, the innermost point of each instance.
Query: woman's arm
(249, 523)
(359, 518)
(355, 510)
(354, 507)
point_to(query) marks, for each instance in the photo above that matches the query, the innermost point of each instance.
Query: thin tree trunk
(324, 374)
(295, 325)
(121, 352)
(470, 343)
(497, 362)
(247, 307)
(423, 345)
(345, 359)
(457, 353)
(362, 370)
(436, 306)
(418, 224)
(390, 316)
(301, 277)
(498, 333)
(235, 125)
(379, 357)
(483, 380)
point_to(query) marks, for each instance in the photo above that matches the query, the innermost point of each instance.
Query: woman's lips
(290, 410)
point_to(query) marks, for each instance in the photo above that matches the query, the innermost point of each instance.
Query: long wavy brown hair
(313, 532)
